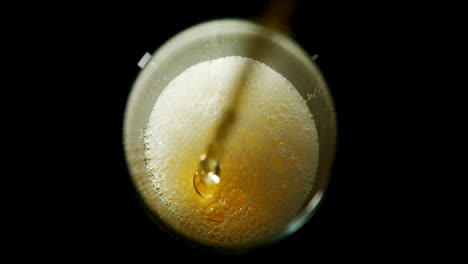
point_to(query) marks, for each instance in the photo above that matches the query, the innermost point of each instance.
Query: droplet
(206, 179)
(216, 212)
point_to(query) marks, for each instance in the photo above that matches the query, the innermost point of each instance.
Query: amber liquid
(266, 167)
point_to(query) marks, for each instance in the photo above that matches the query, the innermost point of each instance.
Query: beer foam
(269, 161)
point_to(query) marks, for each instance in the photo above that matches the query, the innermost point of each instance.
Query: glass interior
(222, 38)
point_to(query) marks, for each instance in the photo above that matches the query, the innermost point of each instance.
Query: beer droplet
(206, 178)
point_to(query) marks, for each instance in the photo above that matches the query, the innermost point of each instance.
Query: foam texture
(268, 165)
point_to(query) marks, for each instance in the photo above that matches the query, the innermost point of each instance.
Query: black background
(90, 54)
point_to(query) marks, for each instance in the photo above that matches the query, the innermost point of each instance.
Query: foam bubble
(268, 165)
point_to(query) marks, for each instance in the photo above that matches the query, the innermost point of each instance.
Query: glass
(216, 39)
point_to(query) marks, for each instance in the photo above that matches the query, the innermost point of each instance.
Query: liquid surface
(268, 162)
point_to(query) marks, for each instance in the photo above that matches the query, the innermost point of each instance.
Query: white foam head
(268, 165)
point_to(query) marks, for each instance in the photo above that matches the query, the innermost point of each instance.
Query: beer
(267, 164)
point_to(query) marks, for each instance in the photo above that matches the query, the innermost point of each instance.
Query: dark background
(90, 207)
